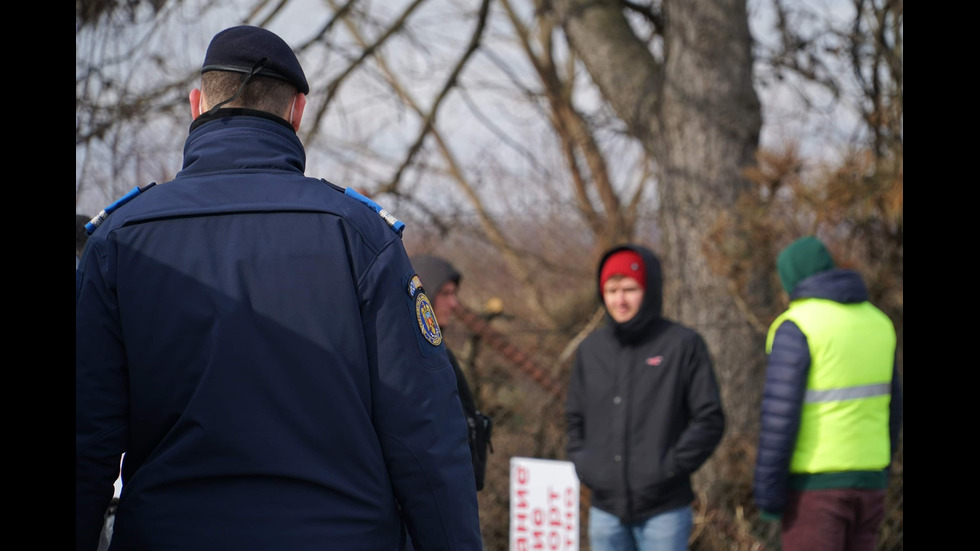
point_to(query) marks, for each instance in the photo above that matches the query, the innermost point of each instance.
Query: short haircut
(268, 94)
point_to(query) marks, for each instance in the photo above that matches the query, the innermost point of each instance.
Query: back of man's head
(803, 258)
(252, 67)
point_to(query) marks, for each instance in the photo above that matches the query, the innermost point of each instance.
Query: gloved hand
(771, 516)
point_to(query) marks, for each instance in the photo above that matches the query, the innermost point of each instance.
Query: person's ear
(197, 103)
(296, 111)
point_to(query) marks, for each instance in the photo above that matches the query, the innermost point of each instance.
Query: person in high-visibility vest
(831, 408)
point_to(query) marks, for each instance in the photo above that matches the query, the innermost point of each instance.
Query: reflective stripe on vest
(851, 393)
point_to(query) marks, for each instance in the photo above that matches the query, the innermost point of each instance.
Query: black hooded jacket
(643, 407)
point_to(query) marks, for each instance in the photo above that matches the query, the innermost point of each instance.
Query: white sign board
(543, 505)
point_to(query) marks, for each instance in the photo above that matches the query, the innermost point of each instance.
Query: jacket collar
(242, 139)
(840, 285)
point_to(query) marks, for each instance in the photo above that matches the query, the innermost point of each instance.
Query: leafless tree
(523, 137)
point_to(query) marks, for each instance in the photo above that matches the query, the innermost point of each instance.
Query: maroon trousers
(833, 520)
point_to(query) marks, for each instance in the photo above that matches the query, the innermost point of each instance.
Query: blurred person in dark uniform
(442, 280)
(258, 345)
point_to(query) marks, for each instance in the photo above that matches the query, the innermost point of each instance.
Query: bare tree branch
(447, 86)
(366, 53)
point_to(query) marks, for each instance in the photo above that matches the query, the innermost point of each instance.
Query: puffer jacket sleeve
(782, 402)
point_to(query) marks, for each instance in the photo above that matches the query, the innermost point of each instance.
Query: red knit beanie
(626, 263)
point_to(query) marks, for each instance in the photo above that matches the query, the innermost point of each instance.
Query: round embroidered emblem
(427, 320)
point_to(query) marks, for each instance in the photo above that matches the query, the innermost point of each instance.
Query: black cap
(241, 49)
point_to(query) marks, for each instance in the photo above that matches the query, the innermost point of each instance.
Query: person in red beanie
(643, 411)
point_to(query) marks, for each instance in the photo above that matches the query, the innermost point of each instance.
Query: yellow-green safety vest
(844, 419)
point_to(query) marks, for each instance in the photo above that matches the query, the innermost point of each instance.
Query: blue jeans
(668, 531)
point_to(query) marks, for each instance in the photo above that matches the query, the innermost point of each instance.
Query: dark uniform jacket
(643, 409)
(252, 339)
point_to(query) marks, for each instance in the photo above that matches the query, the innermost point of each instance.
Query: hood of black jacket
(651, 309)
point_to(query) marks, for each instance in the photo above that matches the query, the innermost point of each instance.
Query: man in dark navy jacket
(258, 345)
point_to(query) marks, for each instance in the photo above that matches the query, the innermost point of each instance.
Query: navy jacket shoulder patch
(424, 313)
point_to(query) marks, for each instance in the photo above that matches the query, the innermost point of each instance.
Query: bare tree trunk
(710, 121)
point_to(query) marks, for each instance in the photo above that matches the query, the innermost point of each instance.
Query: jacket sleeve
(574, 412)
(101, 406)
(782, 402)
(707, 418)
(417, 413)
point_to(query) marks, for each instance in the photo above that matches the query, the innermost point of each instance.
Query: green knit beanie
(803, 258)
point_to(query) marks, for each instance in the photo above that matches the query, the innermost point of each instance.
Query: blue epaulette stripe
(99, 218)
(395, 224)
